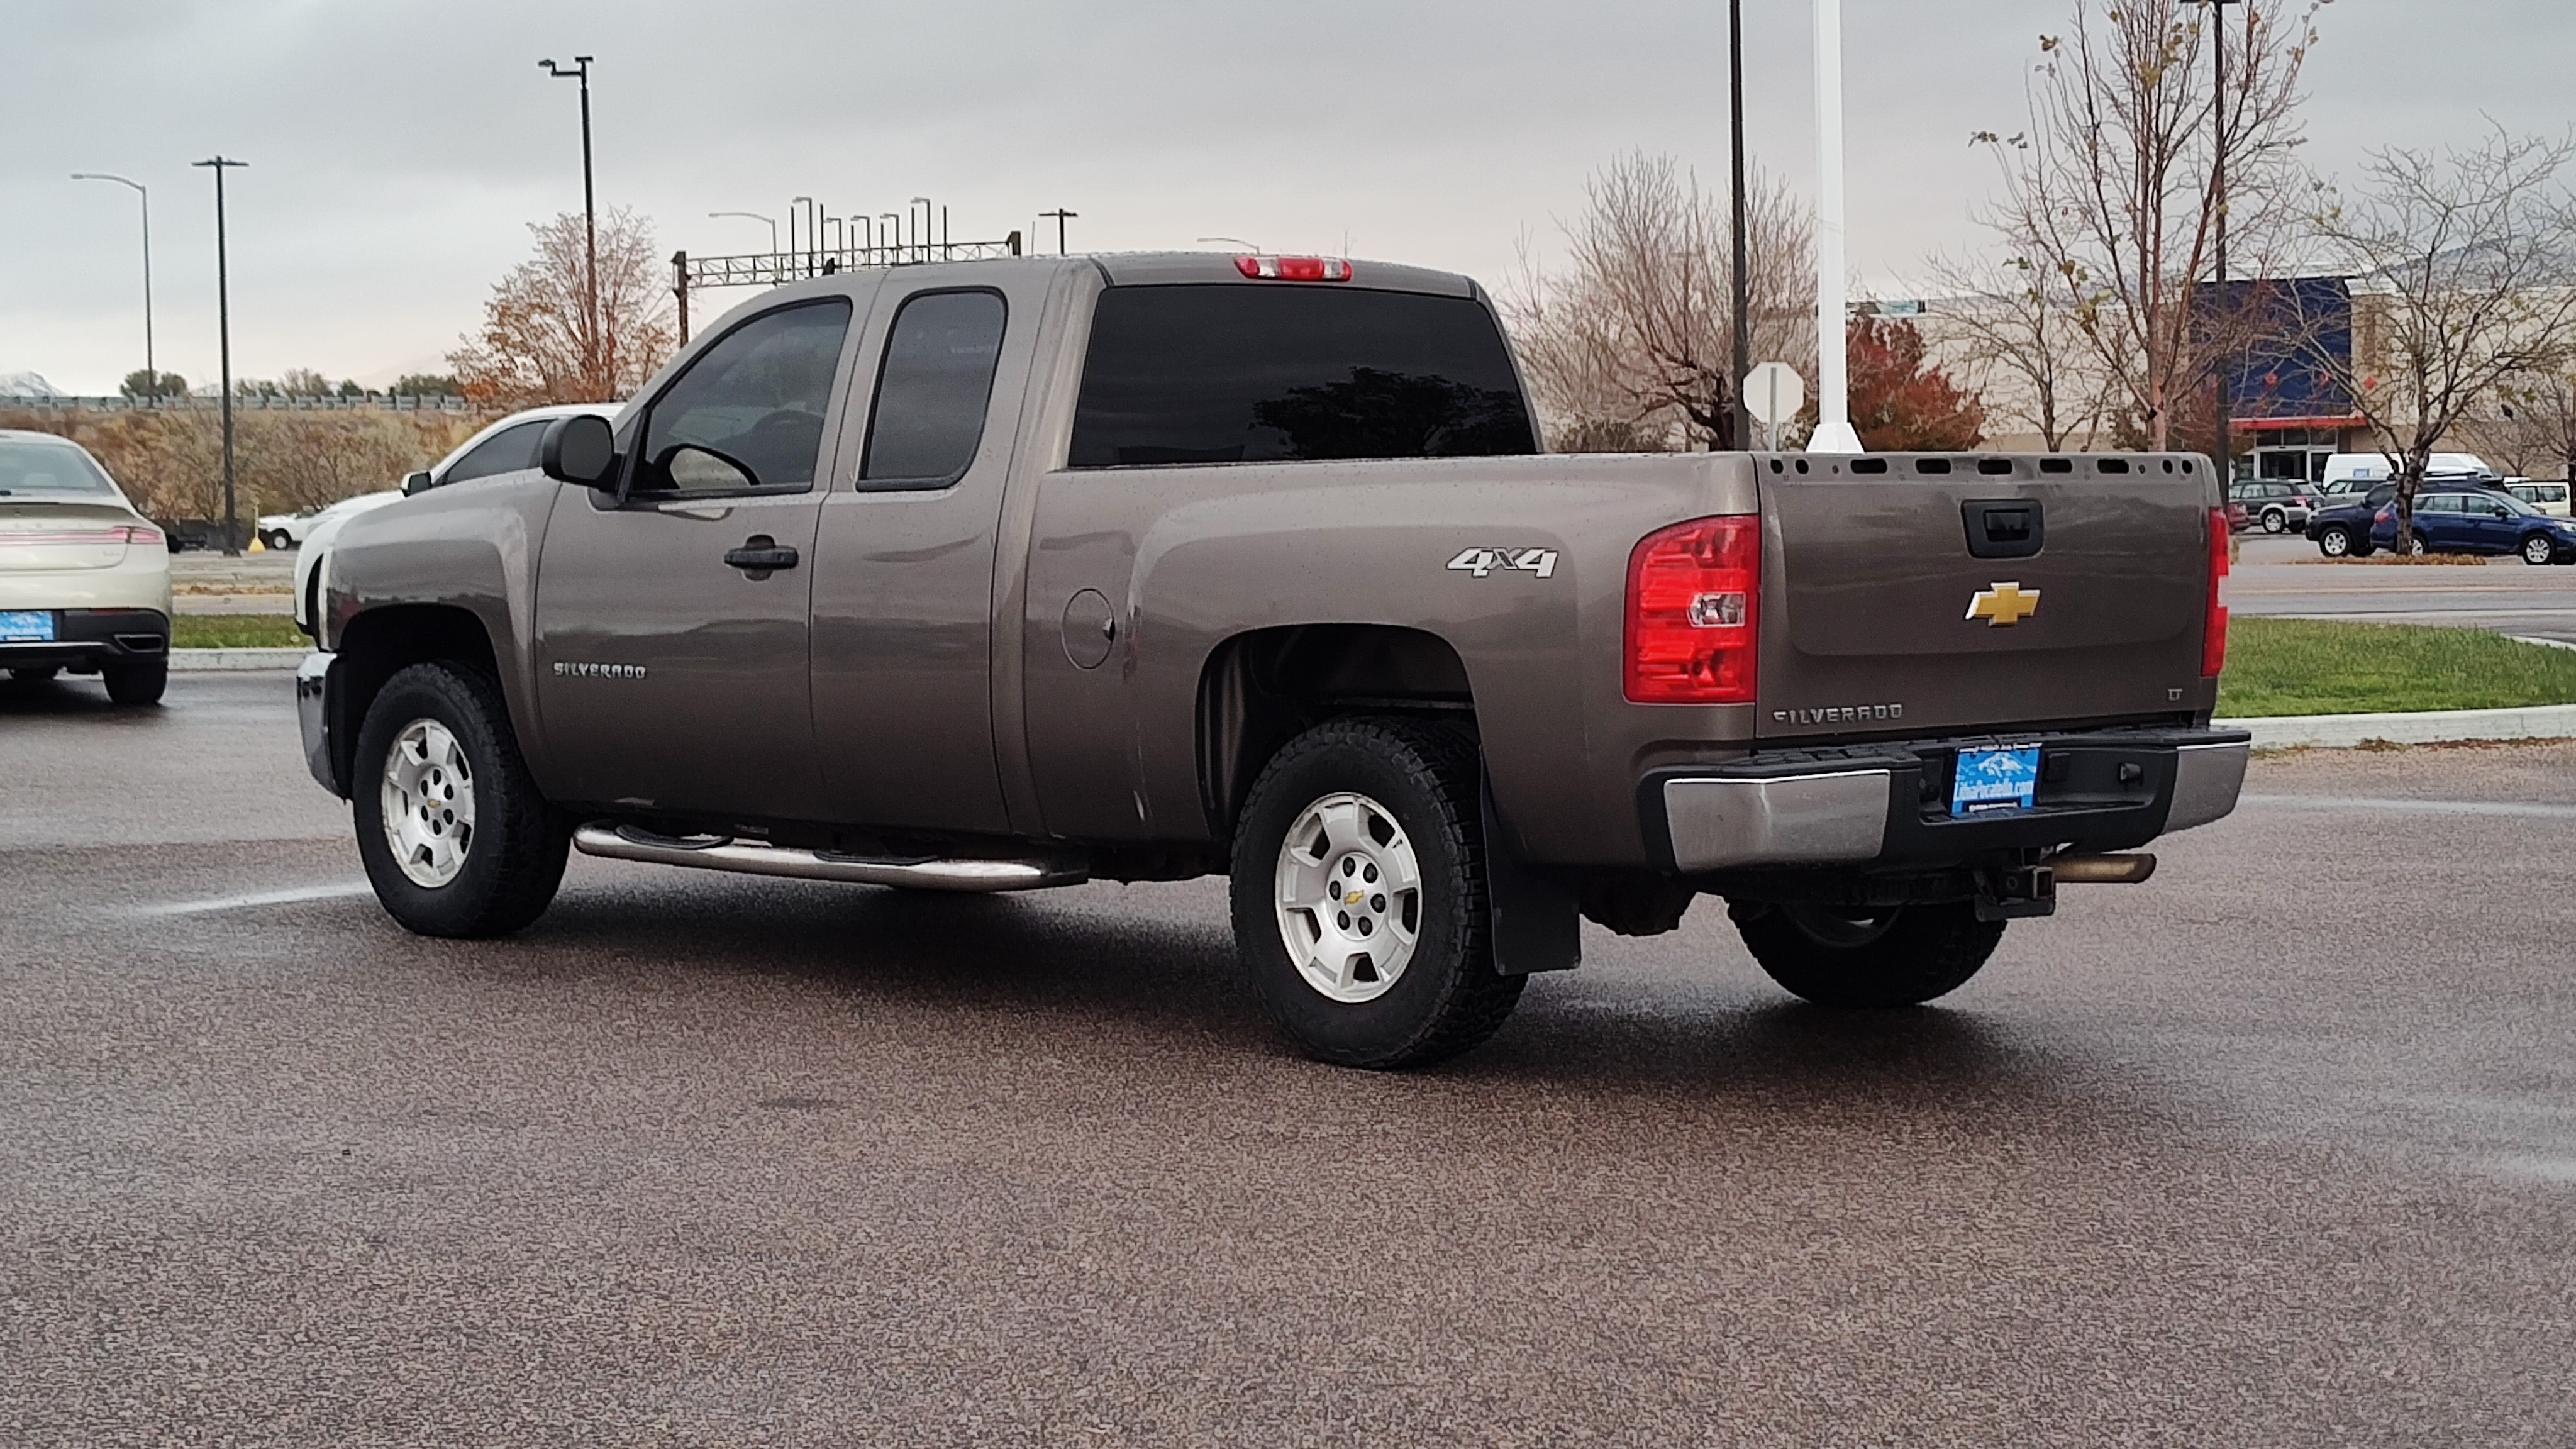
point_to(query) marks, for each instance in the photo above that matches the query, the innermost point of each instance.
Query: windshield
(45, 469)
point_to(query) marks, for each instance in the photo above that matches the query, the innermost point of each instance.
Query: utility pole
(1740, 426)
(1061, 216)
(151, 370)
(1833, 381)
(2218, 186)
(589, 217)
(224, 335)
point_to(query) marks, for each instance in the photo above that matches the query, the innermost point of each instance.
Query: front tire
(456, 839)
(2538, 550)
(140, 682)
(2335, 542)
(1359, 895)
(1902, 956)
(2275, 521)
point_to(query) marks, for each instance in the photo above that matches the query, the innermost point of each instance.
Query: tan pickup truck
(1017, 574)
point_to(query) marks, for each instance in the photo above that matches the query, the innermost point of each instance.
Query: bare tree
(1632, 340)
(2463, 268)
(533, 344)
(2010, 325)
(2115, 188)
(2534, 431)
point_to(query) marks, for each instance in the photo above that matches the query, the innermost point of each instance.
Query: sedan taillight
(1694, 603)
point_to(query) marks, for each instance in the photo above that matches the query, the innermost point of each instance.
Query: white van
(2354, 473)
(2549, 498)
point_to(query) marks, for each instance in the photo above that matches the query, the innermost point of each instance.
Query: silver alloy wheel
(2538, 550)
(2275, 521)
(2418, 547)
(1349, 897)
(2336, 543)
(428, 803)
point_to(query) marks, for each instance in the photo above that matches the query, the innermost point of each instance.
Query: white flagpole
(1834, 432)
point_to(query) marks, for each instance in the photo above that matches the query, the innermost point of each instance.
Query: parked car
(283, 531)
(2340, 528)
(2479, 521)
(505, 447)
(1018, 573)
(84, 578)
(2275, 505)
(2548, 498)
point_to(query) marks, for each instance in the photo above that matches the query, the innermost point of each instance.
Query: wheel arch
(1260, 688)
(377, 643)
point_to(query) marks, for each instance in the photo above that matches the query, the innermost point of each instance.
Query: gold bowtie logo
(2003, 605)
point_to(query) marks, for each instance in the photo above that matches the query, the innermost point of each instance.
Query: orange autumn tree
(538, 344)
(1898, 404)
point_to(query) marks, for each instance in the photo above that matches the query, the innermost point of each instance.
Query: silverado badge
(2003, 605)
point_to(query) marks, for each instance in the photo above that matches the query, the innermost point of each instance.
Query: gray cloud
(398, 150)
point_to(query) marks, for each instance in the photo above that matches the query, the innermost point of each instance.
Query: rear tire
(2335, 541)
(139, 682)
(1395, 806)
(433, 733)
(1900, 957)
(2416, 547)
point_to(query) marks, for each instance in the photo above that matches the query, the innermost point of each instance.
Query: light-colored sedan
(84, 578)
(505, 447)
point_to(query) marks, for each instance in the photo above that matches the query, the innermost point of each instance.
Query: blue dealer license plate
(27, 626)
(1990, 780)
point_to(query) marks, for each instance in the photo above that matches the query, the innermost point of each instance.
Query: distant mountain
(26, 384)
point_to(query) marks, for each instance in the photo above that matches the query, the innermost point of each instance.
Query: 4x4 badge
(2003, 605)
(1483, 561)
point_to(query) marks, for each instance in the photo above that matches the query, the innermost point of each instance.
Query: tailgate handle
(2004, 527)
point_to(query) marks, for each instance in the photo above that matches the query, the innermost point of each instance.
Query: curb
(2427, 727)
(184, 661)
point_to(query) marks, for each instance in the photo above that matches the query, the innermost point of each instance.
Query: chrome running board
(929, 873)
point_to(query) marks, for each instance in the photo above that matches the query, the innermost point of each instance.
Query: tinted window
(506, 451)
(932, 392)
(1254, 373)
(2439, 503)
(757, 396)
(50, 470)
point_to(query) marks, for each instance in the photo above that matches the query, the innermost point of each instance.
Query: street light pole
(755, 216)
(2218, 185)
(1834, 432)
(1740, 426)
(151, 369)
(224, 344)
(1061, 217)
(589, 215)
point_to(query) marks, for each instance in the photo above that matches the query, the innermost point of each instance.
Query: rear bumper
(1887, 806)
(85, 639)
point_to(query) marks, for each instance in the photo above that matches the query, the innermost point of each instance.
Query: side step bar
(929, 873)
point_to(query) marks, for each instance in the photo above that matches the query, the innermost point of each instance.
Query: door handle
(760, 555)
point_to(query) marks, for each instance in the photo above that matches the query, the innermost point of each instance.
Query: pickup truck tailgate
(1882, 618)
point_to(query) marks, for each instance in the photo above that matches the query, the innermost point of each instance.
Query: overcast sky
(398, 149)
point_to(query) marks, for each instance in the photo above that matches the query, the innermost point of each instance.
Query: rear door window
(934, 390)
(1255, 373)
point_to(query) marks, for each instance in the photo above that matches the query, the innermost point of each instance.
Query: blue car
(2479, 520)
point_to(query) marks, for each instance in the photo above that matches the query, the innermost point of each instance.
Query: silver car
(84, 577)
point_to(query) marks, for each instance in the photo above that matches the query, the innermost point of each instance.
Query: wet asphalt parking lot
(2279, 1148)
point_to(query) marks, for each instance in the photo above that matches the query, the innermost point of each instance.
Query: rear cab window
(1221, 373)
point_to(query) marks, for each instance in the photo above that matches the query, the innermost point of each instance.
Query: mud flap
(1535, 922)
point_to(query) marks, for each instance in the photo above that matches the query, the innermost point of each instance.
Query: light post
(755, 216)
(1834, 432)
(2218, 186)
(1742, 423)
(893, 233)
(151, 369)
(589, 213)
(1061, 216)
(224, 344)
(811, 239)
(921, 233)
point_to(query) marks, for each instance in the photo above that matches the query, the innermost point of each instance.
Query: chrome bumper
(1800, 820)
(313, 717)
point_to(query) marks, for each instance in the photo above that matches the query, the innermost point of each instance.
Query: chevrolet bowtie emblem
(2004, 604)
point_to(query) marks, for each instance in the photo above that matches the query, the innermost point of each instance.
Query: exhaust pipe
(2102, 869)
(929, 873)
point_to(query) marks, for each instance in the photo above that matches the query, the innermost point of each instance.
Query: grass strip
(236, 631)
(2312, 666)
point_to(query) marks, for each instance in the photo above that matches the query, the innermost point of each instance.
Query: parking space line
(337, 891)
(2414, 807)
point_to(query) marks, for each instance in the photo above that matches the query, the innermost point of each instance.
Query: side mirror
(578, 449)
(415, 483)
(693, 469)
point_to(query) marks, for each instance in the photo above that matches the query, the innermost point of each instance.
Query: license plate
(27, 626)
(1990, 780)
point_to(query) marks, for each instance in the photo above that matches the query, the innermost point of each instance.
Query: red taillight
(89, 537)
(141, 537)
(1694, 597)
(2213, 642)
(1294, 269)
